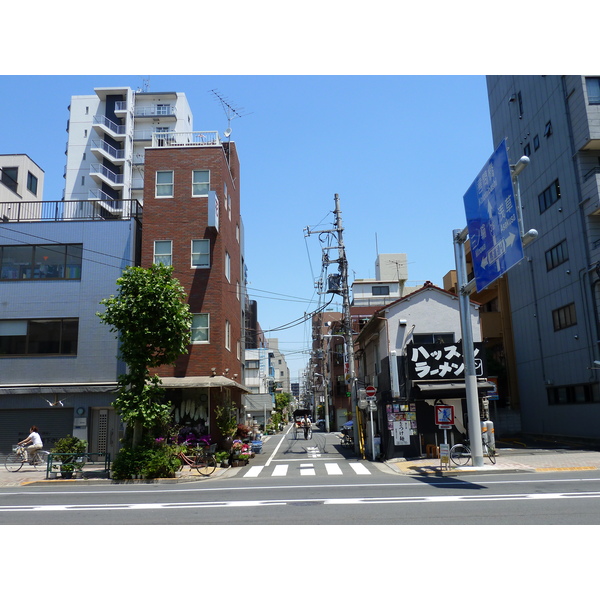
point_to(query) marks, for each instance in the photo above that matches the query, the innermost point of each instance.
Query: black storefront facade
(428, 375)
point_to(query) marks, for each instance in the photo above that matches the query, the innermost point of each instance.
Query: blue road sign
(492, 220)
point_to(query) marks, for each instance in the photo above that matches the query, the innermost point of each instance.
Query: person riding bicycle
(32, 443)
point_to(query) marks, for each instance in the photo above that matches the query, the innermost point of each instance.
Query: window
(201, 254)
(227, 266)
(200, 183)
(536, 143)
(548, 129)
(52, 261)
(32, 183)
(39, 336)
(227, 335)
(164, 184)
(433, 338)
(564, 317)
(520, 101)
(380, 290)
(163, 109)
(556, 255)
(200, 328)
(573, 394)
(9, 177)
(527, 150)
(163, 252)
(549, 196)
(592, 85)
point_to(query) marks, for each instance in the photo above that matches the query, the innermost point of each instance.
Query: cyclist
(32, 443)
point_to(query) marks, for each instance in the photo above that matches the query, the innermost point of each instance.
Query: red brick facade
(183, 218)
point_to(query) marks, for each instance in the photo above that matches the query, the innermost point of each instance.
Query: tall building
(21, 187)
(192, 221)
(109, 132)
(554, 295)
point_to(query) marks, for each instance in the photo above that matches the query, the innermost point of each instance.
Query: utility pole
(342, 287)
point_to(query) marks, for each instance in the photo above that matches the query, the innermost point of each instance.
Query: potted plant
(69, 450)
(222, 458)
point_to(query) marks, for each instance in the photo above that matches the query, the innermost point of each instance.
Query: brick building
(192, 221)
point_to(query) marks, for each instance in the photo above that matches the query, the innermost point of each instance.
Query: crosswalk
(308, 469)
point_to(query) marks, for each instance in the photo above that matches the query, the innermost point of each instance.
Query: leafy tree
(282, 401)
(153, 323)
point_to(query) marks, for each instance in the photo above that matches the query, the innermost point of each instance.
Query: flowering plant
(238, 447)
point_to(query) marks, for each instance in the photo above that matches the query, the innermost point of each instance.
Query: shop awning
(448, 389)
(217, 381)
(259, 402)
(58, 388)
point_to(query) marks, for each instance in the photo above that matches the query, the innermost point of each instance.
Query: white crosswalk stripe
(308, 469)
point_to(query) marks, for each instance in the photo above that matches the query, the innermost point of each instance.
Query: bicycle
(202, 459)
(460, 454)
(16, 459)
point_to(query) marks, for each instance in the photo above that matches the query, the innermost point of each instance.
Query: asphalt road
(316, 482)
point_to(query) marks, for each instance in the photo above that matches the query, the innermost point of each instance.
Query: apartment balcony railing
(104, 123)
(66, 210)
(158, 110)
(100, 172)
(185, 138)
(100, 147)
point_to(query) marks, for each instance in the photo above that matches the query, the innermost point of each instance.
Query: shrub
(148, 460)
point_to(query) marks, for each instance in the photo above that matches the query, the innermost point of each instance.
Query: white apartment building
(21, 181)
(391, 275)
(108, 134)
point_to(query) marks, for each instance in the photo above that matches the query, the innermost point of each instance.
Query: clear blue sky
(399, 150)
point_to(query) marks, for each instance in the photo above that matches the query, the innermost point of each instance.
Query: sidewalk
(509, 460)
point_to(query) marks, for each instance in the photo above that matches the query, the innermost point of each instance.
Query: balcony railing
(160, 110)
(185, 138)
(114, 153)
(102, 171)
(66, 210)
(113, 127)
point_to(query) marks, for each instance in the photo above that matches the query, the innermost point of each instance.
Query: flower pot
(67, 474)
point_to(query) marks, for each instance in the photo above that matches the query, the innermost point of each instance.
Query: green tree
(282, 401)
(153, 323)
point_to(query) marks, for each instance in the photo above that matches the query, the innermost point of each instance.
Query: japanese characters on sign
(441, 361)
(492, 220)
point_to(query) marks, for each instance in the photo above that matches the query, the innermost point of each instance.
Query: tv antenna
(231, 112)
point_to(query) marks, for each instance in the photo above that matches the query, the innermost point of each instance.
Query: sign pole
(467, 347)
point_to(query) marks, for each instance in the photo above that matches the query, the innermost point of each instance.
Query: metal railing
(110, 150)
(98, 169)
(110, 125)
(78, 459)
(64, 210)
(185, 138)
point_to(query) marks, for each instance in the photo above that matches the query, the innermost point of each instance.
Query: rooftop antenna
(145, 84)
(230, 111)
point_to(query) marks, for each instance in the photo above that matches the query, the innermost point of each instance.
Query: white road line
(360, 469)
(307, 469)
(280, 471)
(333, 469)
(253, 471)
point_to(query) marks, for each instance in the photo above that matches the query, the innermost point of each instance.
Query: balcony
(101, 150)
(104, 125)
(164, 112)
(185, 138)
(103, 200)
(61, 210)
(101, 174)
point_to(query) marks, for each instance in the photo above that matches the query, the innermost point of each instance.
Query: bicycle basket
(16, 448)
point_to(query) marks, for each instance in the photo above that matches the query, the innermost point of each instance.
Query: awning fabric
(58, 388)
(447, 389)
(259, 402)
(217, 381)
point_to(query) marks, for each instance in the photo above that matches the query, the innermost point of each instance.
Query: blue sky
(334, 101)
(400, 151)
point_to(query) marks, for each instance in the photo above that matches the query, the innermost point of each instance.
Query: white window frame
(197, 327)
(161, 257)
(204, 250)
(200, 188)
(166, 188)
(227, 266)
(228, 336)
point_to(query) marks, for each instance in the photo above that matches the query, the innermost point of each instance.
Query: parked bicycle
(16, 459)
(460, 454)
(202, 459)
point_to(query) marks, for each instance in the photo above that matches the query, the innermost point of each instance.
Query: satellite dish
(227, 132)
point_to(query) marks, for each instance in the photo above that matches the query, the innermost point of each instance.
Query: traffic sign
(492, 220)
(444, 416)
(371, 391)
